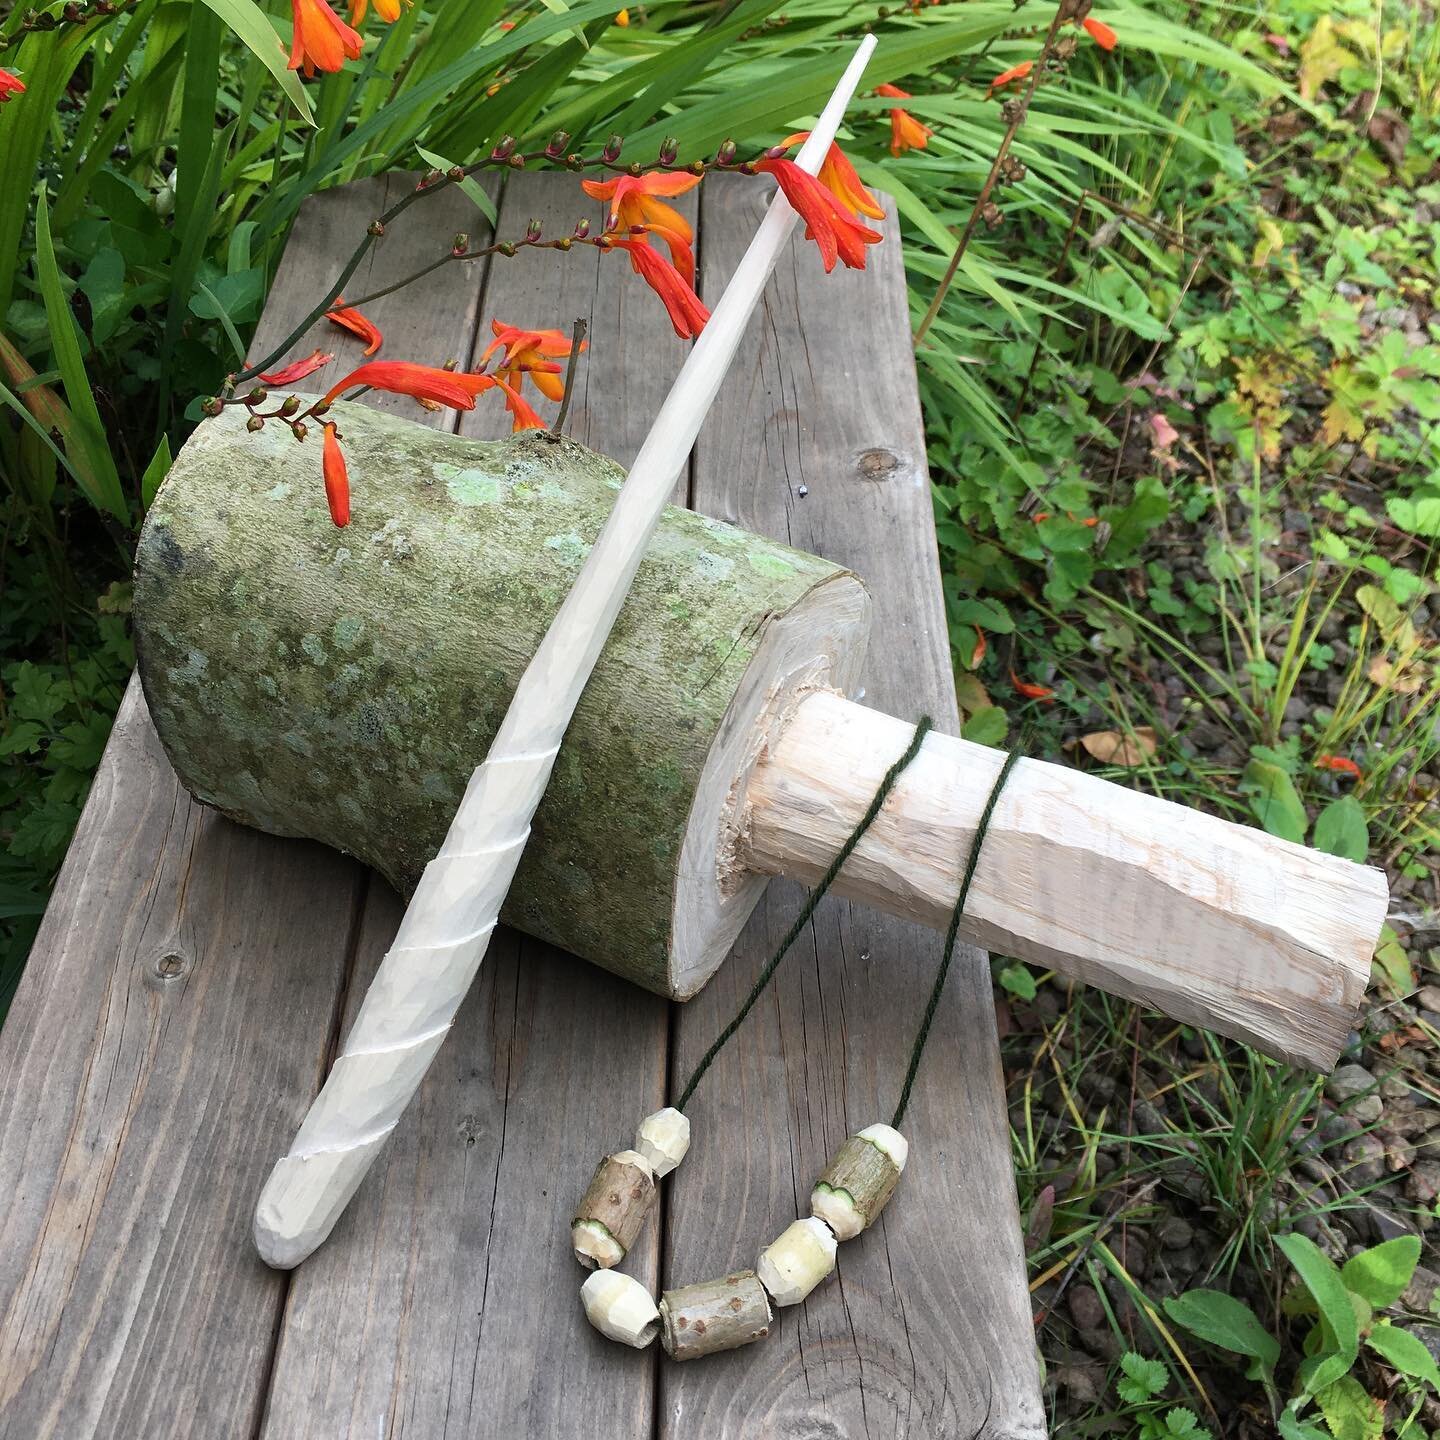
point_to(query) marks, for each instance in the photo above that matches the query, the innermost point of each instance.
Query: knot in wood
(877, 464)
(171, 965)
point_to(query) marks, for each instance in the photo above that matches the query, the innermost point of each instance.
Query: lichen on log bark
(343, 684)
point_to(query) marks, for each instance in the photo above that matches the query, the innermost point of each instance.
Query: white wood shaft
(413, 999)
(1216, 924)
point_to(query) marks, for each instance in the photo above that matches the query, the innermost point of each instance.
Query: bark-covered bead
(861, 1176)
(620, 1307)
(663, 1138)
(714, 1315)
(793, 1265)
(612, 1210)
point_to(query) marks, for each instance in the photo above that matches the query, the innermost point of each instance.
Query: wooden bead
(860, 1178)
(620, 1308)
(714, 1315)
(663, 1138)
(792, 1266)
(612, 1210)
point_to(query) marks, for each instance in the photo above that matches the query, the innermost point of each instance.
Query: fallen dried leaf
(1403, 681)
(1112, 747)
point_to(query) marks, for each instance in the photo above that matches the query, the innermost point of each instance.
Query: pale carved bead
(663, 1138)
(620, 1308)
(793, 1265)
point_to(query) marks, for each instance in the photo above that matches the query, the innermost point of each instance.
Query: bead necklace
(734, 1310)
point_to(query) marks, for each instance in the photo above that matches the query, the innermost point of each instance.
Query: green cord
(922, 1036)
(816, 896)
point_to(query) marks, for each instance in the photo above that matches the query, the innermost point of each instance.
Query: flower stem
(443, 181)
(1063, 12)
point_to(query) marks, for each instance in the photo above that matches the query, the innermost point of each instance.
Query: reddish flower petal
(828, 223)
(298, 369)
(10, 85)
(1340, 764)
(907, 133)
(892, 92)
(1043, 693)
(322, 40)
(1100, 33)
(687, 314)
(838, 176)
(519, 407)
(337, 479)
(1015, 72)
(425, 382)
(352, 320)
(387, 10)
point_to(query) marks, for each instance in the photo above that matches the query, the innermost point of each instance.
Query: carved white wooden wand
(412, 1001)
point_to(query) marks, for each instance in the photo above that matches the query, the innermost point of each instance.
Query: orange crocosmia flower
(519, 407)
(298, 369)
(529, 352)
(1100, 33)
(682, 304)
(348, 318)
(1338, 763)
(635, 202)
(838, 176)
(1010, 76)
(337, 479)
(387, 10)
(906, 132)
(1043, 693)
(323, 41)
(827, 222)
(424, 382)
(623, 18)
(10, 85)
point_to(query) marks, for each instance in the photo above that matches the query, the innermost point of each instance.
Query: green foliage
(55, 717)
(1339, 1306)
(1141, 1387)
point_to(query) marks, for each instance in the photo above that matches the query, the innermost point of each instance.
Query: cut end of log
(817, 645)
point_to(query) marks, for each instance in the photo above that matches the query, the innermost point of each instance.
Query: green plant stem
(983, 197)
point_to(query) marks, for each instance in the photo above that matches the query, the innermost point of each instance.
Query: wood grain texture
(924, 1331)
(140, 1109)
(447, 1302)
(177, 1007)
(172, 1026)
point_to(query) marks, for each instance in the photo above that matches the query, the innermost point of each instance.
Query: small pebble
(1085, 1308)
(1353, 1086)
(803, 491)
(1176, 1234)
(1423, 1185)
(1365, 1160)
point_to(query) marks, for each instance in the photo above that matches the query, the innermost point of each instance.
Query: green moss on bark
(343, 684)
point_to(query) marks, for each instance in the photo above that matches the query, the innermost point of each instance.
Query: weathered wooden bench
(192, 978)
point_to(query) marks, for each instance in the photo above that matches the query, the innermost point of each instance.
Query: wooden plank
(172, 1025)
(447, 1301)
(925, 1329)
